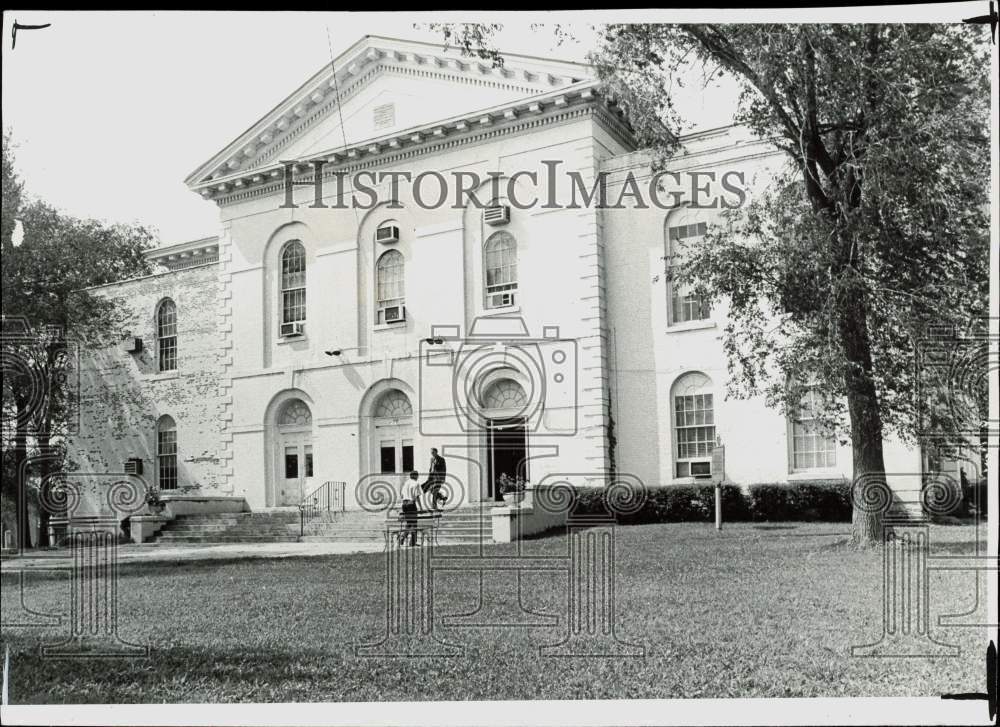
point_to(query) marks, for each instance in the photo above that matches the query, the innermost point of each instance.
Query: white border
(918, 710)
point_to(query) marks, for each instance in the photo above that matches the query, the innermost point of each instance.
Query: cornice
(186, 254)
(473, 128)
(354, 68)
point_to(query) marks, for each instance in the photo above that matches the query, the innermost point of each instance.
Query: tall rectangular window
(166, 336)
(387, 453)
(166, 454)
(291, 463)
(500, 266)
(694, 428)
(812, 446)
(685, 306)
(390, 290)
(293, 283)
(407, 456)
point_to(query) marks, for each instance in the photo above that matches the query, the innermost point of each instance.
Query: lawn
(754, 611)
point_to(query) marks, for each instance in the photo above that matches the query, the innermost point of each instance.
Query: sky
(110, 111)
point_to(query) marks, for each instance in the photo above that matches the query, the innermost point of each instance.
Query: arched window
(293, 283)
(390, 292)
(505, 394)
(166, 335)
(684, 306)
(295, 413)
(394, 404)
(500, 269)
(813, 447)
(166, 453)
(694, 425)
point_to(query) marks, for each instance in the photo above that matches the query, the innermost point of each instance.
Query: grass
(753, 611)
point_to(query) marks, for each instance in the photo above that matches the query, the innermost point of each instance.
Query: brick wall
(123, 395)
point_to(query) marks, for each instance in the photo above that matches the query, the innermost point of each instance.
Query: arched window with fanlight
(166, 335)
(694, 425)
(166, 453)
(390, 289)
(392, 417)
(293, 286)
(500, 270)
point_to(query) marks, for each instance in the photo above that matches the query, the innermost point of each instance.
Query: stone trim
(421, 150)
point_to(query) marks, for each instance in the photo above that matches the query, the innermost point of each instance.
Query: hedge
(805, 501)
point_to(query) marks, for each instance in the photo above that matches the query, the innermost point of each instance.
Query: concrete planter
(514, 522)
(513, 498)
(144, 527)
(176, 504)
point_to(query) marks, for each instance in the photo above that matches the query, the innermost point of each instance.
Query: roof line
(524, 100)
(336, 63)
(502, 53)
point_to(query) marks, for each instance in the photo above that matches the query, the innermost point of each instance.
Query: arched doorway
(504, 403)
(293, 476)
(392, 434)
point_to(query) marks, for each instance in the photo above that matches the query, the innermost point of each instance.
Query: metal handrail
(327, 498)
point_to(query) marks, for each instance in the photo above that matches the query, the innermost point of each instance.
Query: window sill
(387, 326)
(163, 375)
(281, 341)
(691, 481)
(487, 312)
(691, 326)
(817, 474)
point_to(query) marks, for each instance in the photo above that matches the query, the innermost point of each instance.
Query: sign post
(718, 475)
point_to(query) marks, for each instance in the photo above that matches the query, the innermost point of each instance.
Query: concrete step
(466, 525)
(345, 539)
(224, 539)
(207, 529)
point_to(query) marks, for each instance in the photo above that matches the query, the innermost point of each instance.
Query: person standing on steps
(435, 479)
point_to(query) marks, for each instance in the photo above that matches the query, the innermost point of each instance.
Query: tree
(12, 188)
(878, 228)
(47, 313)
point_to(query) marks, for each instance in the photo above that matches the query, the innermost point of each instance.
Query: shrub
(971, 494)
(824, 500)
(770, 501)
(671, 504)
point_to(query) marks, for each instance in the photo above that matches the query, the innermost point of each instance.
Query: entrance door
(396, 457)
(295, 475)
(506, 447)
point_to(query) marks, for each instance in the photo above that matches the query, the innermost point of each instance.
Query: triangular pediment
(378, 87)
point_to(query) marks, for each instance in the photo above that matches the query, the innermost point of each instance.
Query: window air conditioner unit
(292, 330)
(387, 234)
(132, 344)
(499, 300)
(394, 313)
(133, 466)
(496, 216)
(701, 469)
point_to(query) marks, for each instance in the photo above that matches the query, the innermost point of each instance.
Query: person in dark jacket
(435, 479)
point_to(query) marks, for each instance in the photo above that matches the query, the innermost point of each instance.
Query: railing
(327, 499)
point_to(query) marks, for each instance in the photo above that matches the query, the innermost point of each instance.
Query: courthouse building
(308, 343)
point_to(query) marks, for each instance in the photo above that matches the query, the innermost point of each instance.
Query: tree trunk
(45, 469)
(21, 475)
(866, 424)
